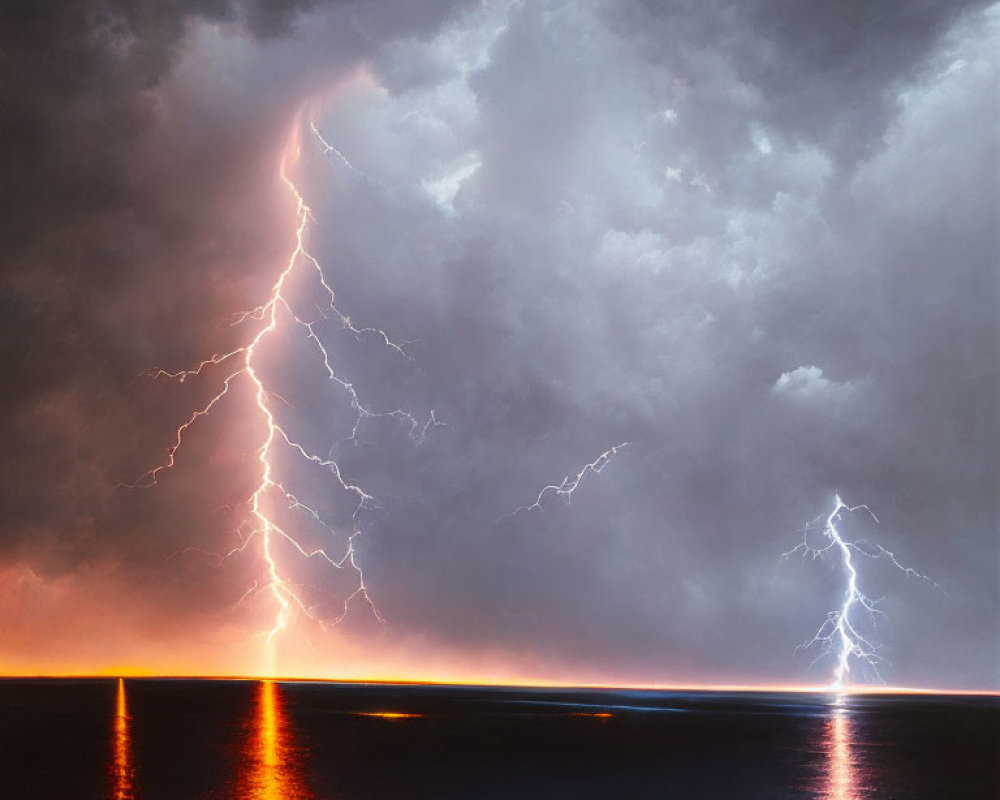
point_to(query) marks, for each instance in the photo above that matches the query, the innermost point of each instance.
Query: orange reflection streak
(123, 773)
(387, 714)
(841, 773)
(272, 771)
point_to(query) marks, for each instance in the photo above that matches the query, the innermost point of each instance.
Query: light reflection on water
(271, 768)
(843, 776)
(122, 769)
(273, 741)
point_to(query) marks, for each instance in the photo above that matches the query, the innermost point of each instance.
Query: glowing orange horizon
(514, 682)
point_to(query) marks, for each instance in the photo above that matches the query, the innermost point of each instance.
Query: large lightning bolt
(839, 632)
(242, 363)
(570, 483)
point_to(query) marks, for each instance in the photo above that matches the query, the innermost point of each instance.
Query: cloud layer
(758, 246)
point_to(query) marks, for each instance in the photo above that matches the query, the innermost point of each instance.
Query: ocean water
(249, 740)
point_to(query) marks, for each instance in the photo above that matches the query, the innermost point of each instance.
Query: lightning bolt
(569, 484)
(242, 364)
(839, 632)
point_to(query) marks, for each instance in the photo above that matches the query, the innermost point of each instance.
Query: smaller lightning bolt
(570, 483)
(839, 632)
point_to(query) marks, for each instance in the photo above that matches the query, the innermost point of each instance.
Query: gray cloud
(757, 245)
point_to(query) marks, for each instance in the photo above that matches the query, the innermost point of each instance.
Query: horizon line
(860, 689)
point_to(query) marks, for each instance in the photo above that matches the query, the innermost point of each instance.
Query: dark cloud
(143, 146)
(751, 241)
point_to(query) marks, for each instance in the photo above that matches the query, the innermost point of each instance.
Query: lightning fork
(569, 484)
(839, 632)
(278, 310)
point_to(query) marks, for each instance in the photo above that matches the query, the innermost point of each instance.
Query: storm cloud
(756, 241)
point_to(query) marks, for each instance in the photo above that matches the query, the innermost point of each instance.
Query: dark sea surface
(191, 739)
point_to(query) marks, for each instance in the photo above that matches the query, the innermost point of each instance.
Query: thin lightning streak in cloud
(839, 632)
(570, 483)
(278, 309)
(329, 148)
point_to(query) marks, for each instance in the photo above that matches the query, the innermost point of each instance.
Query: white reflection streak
(841, 779)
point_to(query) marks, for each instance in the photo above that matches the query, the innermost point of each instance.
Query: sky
(755, 241)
